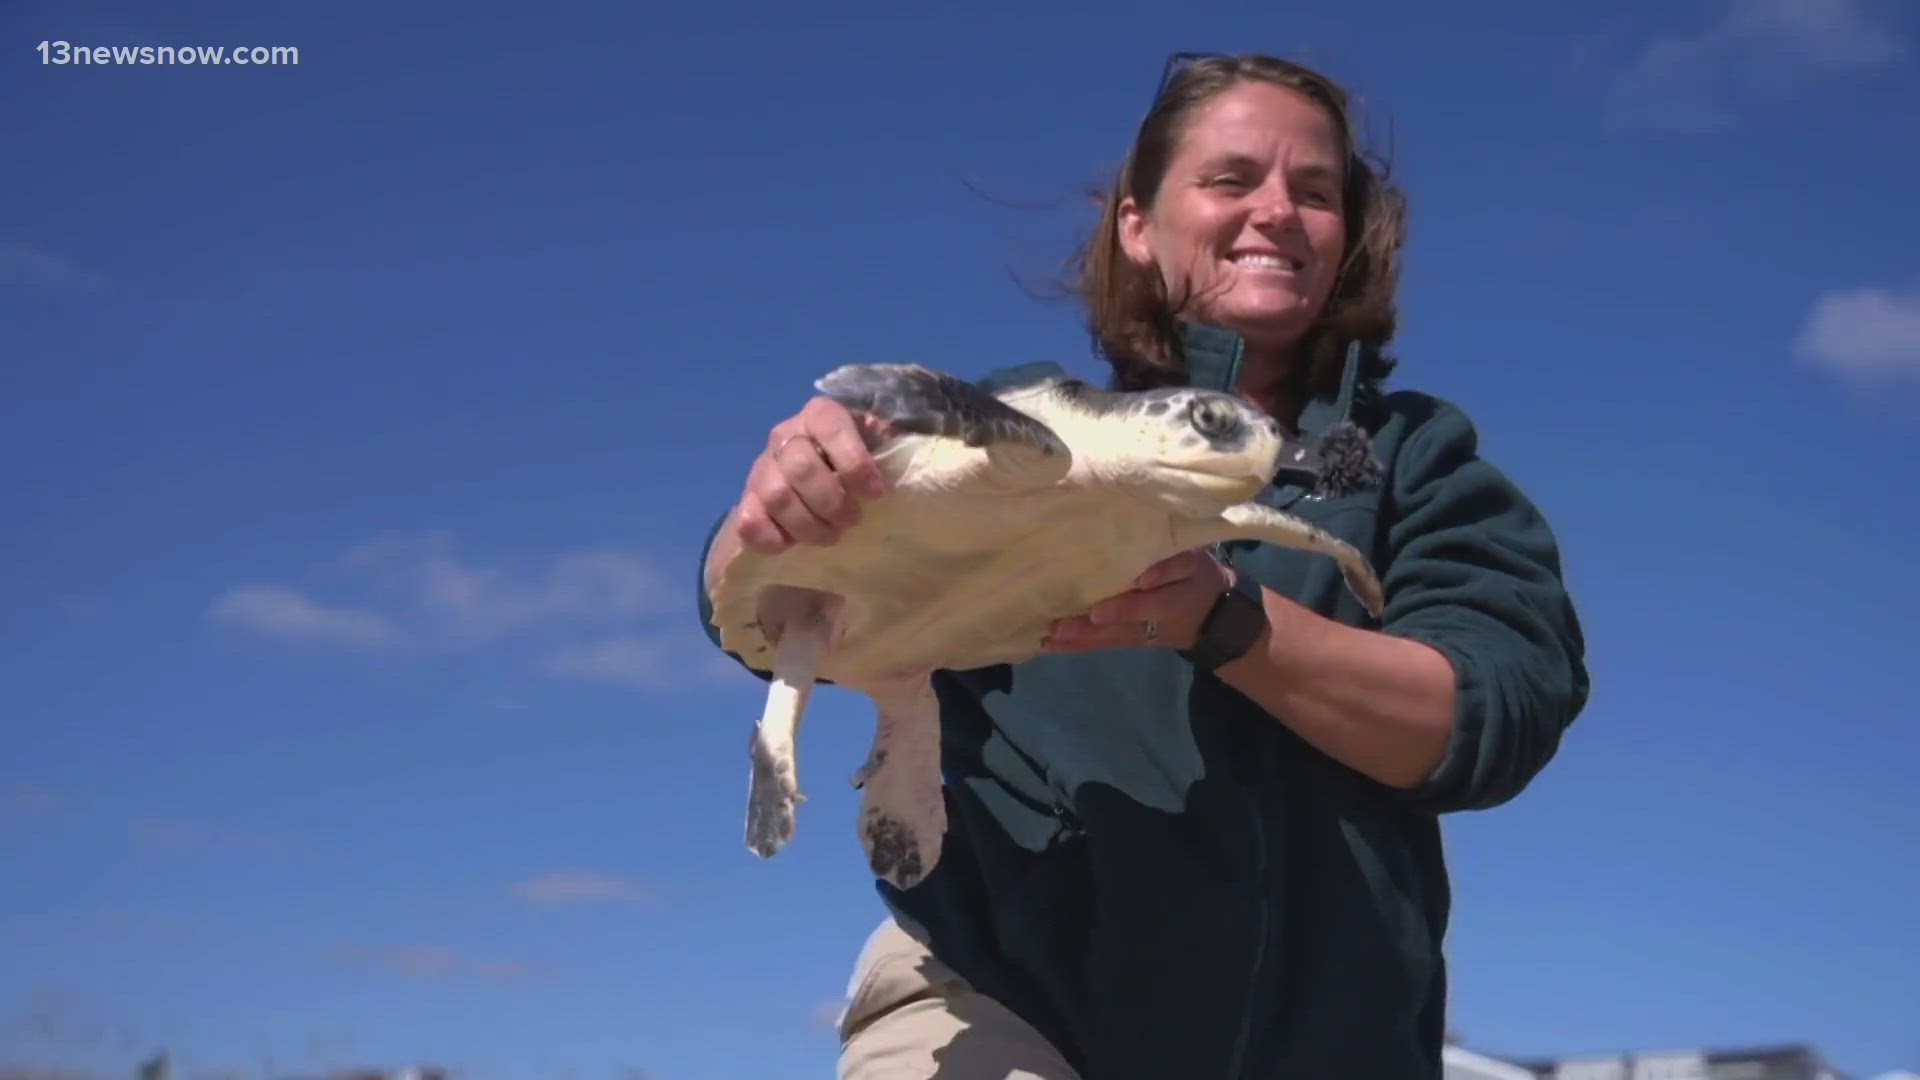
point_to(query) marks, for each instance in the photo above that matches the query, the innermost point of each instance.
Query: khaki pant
(910, 1017)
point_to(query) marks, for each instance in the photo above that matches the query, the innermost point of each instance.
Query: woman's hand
(806, 486)
(1165, 607)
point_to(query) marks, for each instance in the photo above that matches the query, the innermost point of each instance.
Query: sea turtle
(1005, 511)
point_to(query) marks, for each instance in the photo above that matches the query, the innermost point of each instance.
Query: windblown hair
(1129, 311)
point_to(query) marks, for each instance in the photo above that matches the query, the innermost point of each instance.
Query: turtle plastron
(1004, 512)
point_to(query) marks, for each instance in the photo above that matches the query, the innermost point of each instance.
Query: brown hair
(1131, 315)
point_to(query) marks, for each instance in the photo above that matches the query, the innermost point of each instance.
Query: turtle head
(1201, 450)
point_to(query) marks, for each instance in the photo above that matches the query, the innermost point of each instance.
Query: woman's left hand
(1164, 609)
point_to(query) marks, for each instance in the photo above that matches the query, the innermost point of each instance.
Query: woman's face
(1248, 225)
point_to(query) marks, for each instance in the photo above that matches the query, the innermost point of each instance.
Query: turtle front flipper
(1009, 450)
(773, 794)
(903, 809)
(1256, 521)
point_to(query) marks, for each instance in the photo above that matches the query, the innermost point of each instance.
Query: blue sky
(365, 417)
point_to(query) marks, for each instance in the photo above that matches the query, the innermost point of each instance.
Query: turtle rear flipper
(773, 793)
(903, 809)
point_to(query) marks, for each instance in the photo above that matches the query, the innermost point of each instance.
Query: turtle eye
(1214, 418)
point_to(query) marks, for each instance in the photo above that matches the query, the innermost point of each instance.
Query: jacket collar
(1214, 355)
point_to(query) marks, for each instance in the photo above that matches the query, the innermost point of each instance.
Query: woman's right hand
(806, 486)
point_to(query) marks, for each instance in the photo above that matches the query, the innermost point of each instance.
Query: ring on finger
(1152, 630)
(790, 438)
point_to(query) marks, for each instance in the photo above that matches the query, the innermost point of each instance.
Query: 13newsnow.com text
(67, 53)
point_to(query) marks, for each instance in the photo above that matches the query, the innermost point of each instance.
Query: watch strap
(1232, 626)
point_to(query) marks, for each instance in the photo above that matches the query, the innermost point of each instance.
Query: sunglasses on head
(1177, 63)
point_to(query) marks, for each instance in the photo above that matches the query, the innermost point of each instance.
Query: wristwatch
(1231, 628)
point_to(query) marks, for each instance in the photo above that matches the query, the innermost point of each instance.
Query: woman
(1199, 837)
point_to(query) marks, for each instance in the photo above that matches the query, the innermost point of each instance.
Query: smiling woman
(1248, 202)
(1199, 836)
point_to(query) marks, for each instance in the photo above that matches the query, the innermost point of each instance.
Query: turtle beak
(1301, 465)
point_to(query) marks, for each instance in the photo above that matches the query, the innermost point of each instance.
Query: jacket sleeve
(1474, 571)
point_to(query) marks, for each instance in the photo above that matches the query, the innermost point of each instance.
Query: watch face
(1242, 618)
(1232, 627)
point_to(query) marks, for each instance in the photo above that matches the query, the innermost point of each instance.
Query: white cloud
(421, 593)
(574, 886)
(279, 612)
(645, 661)
(584, 613)
(651, 660)
(1756, 51)
(478, 603)
(1864, 332)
